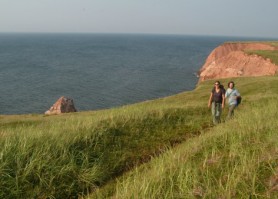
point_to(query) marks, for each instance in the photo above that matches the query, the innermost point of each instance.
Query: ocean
(98, 71)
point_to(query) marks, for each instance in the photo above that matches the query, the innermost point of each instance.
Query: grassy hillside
(267, 54)
(100, 152)
(236, 159)
(73, 154)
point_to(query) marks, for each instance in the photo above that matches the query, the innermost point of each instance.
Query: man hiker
(233, 98)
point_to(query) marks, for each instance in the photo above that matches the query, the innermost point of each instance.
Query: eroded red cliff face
(229, 60)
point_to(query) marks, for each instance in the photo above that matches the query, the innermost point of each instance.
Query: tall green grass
(234, 160)
(71, 155)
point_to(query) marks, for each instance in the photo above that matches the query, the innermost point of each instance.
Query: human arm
(237, 94)
(223, 100)
(226, 93)
(210, 100)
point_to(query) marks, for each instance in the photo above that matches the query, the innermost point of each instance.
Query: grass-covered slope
(72, 154)
(267, 54)
(236, 159)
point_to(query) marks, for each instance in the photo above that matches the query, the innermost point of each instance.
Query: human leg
(231, 111)
(216, 111)
(213, 112)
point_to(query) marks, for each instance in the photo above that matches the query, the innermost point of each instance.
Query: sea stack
(62, 105)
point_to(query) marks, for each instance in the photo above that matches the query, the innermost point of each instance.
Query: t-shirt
(232, 96)
(217, 96)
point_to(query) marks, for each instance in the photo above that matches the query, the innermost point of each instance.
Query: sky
(251, 18)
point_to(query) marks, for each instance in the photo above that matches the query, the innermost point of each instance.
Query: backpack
(221, 87)
(238, 100)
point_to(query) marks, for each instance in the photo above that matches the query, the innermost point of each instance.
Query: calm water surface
(96, 70)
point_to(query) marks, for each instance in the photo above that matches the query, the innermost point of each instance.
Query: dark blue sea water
(97, 70)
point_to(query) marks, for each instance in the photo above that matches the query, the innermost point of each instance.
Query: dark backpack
(221, 87)
(238, 100)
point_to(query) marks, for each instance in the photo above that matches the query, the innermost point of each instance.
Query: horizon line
(139, 33)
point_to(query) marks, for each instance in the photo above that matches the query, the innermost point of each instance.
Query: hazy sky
(201, 17)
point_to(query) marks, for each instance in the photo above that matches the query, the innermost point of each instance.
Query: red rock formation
(62, 105)
(229, 60)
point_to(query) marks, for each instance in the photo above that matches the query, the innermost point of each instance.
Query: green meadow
(163, 148)
(73, 154)
(236, 159)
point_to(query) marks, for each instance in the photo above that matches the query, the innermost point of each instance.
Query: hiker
(233, 95)
(217, 102)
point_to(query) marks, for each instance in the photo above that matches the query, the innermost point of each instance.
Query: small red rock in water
(62, 105)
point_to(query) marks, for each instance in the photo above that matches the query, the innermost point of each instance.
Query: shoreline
(210, 59)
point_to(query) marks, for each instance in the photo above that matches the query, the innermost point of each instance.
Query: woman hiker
(232, 94)
(216, 102)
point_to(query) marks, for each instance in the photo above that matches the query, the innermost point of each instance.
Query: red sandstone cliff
(229, 60)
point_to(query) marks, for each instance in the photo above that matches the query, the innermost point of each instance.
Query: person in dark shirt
(216, 102)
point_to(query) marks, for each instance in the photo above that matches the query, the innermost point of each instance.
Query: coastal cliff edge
(231, 60)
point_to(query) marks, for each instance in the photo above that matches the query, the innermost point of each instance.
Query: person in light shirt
(232, 95)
